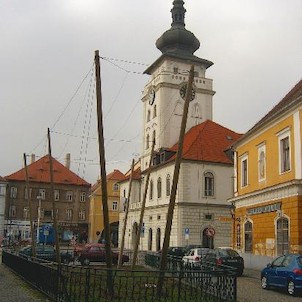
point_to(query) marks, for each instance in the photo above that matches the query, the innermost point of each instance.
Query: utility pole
(52, 198)
(143, 207)
(125, 218)
(163, 259)
(103, 172)
(33, 240)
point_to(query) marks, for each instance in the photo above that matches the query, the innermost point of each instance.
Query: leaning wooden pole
(143, 208)
(32, 229)
(52, 198)
(103, 173)
(120, 258)
(163, 259)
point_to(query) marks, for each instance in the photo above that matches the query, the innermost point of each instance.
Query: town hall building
(202, 215)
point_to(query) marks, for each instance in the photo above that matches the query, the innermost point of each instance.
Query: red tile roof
(39, 172)
(114, 175)
(207, 142)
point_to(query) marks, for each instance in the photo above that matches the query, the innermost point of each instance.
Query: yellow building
(96, 220)
(268, 173)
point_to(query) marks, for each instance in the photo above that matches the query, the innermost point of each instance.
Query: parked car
(194, 257)
(97, 253)
(225, 258)
(284, 272)
(46, 252)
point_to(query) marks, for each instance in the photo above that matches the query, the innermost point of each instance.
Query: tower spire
(178, 13)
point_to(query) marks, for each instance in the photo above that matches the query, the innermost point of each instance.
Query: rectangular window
(114, 205)
(57, 195)
(42, 193)
(69, 195)
(42, 213)
(12, 211)
(83, 197)
(26, 212)
(208, 184)
(261, 163)
(284, 154)
(13, 192)
(26, 194)
(244, 172)
(82, 215)
(68, 214)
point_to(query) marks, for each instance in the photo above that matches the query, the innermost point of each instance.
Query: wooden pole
(143, 207)
(163, 259)
(103, 172)
(120, 258)
(52, 197)
(32, 229)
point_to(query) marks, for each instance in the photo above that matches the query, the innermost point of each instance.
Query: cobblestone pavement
(14, 289)
(249, 290)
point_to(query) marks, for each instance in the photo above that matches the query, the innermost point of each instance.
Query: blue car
(284, 272)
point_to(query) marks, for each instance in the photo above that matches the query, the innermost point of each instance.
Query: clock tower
(163, 95)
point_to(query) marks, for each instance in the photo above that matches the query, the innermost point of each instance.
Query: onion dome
(178, 40)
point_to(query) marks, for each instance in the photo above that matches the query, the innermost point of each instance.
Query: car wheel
(85, 261)
(291, 289)
(264, 283)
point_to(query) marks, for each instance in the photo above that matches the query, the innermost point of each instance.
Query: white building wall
(2, 207)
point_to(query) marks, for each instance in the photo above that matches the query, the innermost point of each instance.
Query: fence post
(87, 285)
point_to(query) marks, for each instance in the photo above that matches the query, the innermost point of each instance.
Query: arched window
(158, 239)
(148, 116)
(248, 237)
(147, 141)
(153, 137)
(159, 187)
(150, 240)
(282, 236)
(154, 111)
(151, 190)
(168, 185)
(208, 184)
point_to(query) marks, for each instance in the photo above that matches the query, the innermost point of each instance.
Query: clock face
(183, 90)
(151, 96)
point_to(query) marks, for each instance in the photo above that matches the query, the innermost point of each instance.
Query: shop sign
(265, 209)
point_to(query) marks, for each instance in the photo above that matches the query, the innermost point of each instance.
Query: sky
(47, 71)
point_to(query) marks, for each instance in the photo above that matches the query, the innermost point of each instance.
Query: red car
(96, 253)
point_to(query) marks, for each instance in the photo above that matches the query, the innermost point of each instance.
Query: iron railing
(74, 283)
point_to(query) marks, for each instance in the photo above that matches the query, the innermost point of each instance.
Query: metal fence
(74, 283)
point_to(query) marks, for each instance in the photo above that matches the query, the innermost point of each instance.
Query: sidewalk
(14, 289)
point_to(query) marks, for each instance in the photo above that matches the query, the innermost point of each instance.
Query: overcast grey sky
(47, 51)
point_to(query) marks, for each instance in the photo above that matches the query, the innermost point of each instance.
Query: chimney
(67, 161)
(33, 158)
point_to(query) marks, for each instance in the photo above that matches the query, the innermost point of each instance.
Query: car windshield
(228, 253)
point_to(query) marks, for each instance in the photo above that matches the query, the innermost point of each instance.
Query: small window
(151, 190)
(148, 116)
(282, 236)
(147, 141)
(208, 184)
(69, 195)
(41, 213)
(159, 187)
(175, 70)
(284, 155)
(168, 185)
(42, 193)
(82, 215)
(114, 205)
(116, 187)
(154, 111)
(261, 163)
(244, 172)
(13, 192)
(248, 236)
(57, 195)
(26, 194)
(68, 214)
(83, 197)
(154, 137)
(12, 211)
